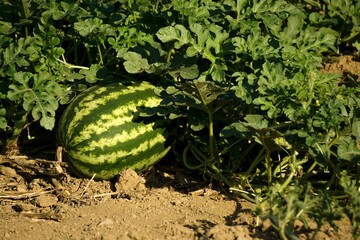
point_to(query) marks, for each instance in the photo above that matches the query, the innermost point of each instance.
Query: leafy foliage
(342, 15)
(38, 96)
(241, 83)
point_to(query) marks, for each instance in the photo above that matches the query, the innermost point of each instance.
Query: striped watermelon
(97, 133)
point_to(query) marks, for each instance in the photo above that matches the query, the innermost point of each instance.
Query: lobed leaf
(135, 63)
(176, 33)
(38, 94)
(3, 121)
(356, 128)
(91, 73)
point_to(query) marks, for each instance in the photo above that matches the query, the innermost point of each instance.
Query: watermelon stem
(231, 184)
(209, 167)
(69, 65)
(59, 151)
(100, 55)
(211, 137)
(196, 153)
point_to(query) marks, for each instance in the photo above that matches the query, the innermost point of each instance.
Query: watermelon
(99, 137)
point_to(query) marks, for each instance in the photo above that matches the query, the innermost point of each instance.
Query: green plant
(343, 16)
(352, 190)
(240, 81)
(286, 119)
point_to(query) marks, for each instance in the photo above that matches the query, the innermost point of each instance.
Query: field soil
(39, 199)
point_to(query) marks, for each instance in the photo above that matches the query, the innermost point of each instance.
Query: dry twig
(23, 195)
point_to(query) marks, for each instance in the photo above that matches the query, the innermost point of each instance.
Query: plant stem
(357, 175)
(219, 173)
(352, 35)
(169, 54)
(269, 169)
(71, 65)
(18, 127)
(257, 160)
(286, 183)
(308, 172)
(211, 137)
(100, 55)
(191, 167)
(229, 183)
(208, 55)
(25, 16)
(238, 6)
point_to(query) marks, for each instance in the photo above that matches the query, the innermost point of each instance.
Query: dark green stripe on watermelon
(99, 136)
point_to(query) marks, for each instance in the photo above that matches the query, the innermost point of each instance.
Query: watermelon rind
(99, 136)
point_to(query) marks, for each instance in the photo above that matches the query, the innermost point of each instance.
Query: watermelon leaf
(135, 63)
(3, 121)
(38, 95)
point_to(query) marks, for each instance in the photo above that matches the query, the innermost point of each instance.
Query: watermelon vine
(240, 86)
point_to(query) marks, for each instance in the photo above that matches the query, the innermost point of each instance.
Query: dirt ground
(38, 201)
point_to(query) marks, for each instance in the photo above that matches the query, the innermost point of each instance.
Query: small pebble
(7, 171)
(106, 222)
(46, 200)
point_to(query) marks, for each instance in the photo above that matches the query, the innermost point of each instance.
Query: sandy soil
(162, 204)
(37, 201)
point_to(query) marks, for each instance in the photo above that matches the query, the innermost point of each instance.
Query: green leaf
(14, 55)
(91, 73)
(38, 94)
(356, 128)
(191, 72)
(218, 72)
(267, 105)
(204, 92)
(245, 88)
(208, 39)
(218, 36)
(177, 33)
(256, 121)
(128, 37)
(349, 149)
(3, 121)
(237, 129)
(135, 63)
(294, 26)
(193, 9)
(6, 28)
(88, 26)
